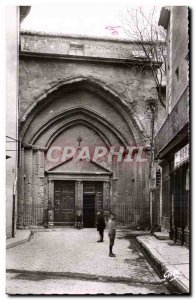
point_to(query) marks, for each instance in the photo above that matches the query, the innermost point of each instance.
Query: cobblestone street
(71, 261)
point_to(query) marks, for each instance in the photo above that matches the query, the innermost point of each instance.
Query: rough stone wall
(178, 58)
(134, 85)
(82, 46)
(37, 76)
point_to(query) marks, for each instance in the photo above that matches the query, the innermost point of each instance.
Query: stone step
(162, 235)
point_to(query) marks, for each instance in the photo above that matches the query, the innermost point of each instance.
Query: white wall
(12, 27)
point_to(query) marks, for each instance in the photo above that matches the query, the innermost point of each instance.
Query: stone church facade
(83, 92)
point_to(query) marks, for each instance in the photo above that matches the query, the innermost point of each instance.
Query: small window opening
(177, 74)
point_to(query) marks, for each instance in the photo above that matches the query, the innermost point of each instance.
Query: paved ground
(21, 284)
(72, 262)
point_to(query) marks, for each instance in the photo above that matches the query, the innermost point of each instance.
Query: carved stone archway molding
(78, 115)
(97, 87)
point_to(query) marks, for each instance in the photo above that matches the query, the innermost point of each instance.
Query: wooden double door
(64, 203)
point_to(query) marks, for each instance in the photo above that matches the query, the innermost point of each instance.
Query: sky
(91, 18)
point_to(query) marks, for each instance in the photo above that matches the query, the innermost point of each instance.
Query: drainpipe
(14, 209)
(152, 104)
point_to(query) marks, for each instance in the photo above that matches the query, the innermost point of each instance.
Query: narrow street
(70, 261)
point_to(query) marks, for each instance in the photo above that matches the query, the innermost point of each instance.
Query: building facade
(16, 14)
(172, 140)
(83, 95)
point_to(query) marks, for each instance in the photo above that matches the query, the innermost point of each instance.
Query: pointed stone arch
(96, 87)
(87, 117)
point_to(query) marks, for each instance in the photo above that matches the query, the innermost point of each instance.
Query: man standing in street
(111, 233)
(101, 225)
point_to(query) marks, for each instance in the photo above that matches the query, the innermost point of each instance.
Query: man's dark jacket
(101, 225)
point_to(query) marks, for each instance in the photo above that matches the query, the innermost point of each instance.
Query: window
(76, 49)
(177, 74)
(158, 178)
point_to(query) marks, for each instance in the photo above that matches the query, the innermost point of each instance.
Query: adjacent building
(172, 140)
(16, 14)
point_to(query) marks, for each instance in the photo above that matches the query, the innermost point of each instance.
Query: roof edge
(81, 37)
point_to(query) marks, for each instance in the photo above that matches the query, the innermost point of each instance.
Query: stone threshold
(162, 235)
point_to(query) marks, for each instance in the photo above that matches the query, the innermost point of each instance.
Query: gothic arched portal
(79, 114)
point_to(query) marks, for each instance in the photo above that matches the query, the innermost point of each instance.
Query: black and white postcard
(97, 149)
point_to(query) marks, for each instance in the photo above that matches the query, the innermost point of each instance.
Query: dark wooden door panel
(89, 210)
(92, 202)
(64, 202)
